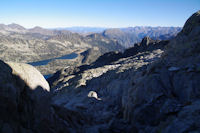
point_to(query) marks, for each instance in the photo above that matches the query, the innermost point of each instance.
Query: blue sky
(97, 13)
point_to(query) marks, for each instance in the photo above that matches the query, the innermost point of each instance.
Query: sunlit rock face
(32, 77)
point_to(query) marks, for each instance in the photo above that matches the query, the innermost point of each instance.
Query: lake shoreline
(45, 62)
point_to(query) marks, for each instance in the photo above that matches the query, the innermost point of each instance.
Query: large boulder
(24, 98)
(31, 76)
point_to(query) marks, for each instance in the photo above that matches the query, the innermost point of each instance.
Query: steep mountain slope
(150, 90)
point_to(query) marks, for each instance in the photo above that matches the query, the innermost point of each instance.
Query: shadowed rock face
(166, 98)
(192, 23)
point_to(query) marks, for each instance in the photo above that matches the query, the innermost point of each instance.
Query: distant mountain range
(84, 30)
(126, 37)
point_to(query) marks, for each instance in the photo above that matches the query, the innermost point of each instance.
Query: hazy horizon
(94, 13)
(87, 26)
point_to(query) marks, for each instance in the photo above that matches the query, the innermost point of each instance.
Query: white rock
(93, 94)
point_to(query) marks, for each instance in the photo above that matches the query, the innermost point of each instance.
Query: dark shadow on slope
(23, 109)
